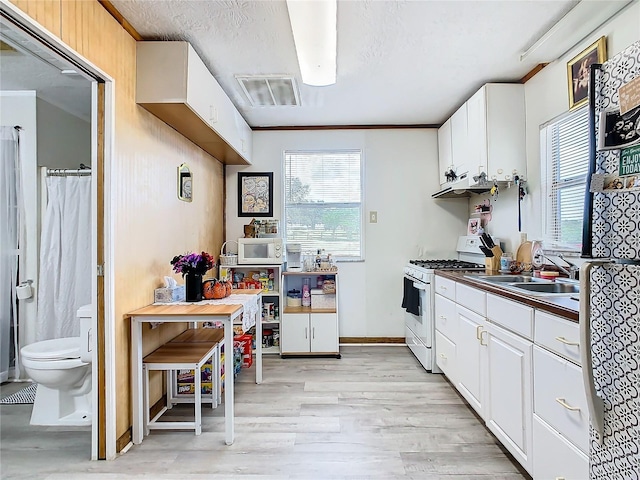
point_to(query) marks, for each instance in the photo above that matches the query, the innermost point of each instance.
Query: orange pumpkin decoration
(213, 289)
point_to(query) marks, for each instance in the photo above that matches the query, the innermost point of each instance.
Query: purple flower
(197, 263)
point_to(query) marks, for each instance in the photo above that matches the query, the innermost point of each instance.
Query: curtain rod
(66, 172)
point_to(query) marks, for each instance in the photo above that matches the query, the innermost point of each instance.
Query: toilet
(62, 369)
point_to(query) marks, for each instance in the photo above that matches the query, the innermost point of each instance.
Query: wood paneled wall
(150, 224)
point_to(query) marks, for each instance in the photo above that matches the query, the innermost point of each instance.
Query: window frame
(551, 220)
(362, 223)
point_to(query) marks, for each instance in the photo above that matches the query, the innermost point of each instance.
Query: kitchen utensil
(487, 251)
(487, 240)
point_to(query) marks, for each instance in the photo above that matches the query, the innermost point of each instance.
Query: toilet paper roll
(24, 291)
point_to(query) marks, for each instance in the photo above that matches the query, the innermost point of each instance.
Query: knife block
(492, 264)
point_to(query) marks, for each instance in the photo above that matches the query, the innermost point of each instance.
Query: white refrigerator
(610, 282)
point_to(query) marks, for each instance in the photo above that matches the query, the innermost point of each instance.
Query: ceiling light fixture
(575, 26)
(314, 26)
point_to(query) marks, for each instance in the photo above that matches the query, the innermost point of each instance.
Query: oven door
(419, 320)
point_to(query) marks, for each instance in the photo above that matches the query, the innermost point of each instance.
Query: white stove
(419, 296)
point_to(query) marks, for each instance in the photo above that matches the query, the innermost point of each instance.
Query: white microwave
(260, 251)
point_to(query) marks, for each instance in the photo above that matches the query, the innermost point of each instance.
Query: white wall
(400, 175)
(547, 96)
(64, 140)
(19, 108)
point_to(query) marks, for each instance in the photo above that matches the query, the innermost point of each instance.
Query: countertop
(562, 306)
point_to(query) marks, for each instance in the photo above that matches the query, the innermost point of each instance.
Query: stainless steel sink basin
(548, 288)
(506, 278)
(531, 285)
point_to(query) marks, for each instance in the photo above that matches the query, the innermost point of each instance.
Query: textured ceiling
(399, 62)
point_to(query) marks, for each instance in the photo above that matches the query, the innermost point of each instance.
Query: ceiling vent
(270, 90)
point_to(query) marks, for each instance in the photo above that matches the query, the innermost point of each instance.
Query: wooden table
(195, 312)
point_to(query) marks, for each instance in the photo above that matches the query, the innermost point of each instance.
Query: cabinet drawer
(446, 287)
(472, 298)
(446, 356)
(512, 315)
(558, 335)
(446, 317)
(557, 381)
(554, 457)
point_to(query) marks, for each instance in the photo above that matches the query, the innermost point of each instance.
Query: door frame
(103, 428)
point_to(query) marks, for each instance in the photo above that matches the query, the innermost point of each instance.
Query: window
(565, 144)
(323, 201)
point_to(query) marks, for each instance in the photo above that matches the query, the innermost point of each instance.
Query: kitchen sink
(531, 285)
(506, 278)
(548, 288)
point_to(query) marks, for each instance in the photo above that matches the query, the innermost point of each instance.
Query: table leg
(136, 380)
(228, 381)
(259, 341)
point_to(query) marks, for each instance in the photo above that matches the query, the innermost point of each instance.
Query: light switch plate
(373, 216)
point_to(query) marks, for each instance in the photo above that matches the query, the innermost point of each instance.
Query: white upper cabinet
(175, 85)
(459, 143)
(496, 132)
(445, 159)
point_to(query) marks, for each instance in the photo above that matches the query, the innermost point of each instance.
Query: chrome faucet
(573, 268)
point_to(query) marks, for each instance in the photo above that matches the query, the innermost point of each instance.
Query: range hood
(461, 188)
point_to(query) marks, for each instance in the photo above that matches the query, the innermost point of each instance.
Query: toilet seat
(56, 349)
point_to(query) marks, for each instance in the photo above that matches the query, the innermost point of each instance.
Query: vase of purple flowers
(193, 266)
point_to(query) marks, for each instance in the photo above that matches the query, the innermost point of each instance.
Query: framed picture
(255, 194)
(473, 226)
(185, 183)
(578, 72)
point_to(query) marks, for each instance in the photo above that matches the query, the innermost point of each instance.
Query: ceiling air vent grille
(270, 90)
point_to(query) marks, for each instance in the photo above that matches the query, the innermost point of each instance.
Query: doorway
(62, 85)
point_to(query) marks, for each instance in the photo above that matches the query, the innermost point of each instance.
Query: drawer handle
(443, 317)
(479, 332)
(442, 287)
(442, 355)
(562, 402)
(567, 342)
(559, 478)
(481, 338)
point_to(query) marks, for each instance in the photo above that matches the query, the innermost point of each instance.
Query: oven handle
(420, 286)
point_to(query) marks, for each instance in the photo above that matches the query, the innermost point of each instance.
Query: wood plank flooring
(374, 414)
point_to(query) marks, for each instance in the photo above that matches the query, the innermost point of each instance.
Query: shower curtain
(9, 235)
(65, 257)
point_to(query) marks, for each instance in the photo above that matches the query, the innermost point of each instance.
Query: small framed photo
(255, 194)
(185, 183)
(473, 227)
(578, 71)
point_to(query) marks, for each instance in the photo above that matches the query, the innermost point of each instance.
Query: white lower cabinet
(309, 333)
(530, 396)
(471, 372)
(446, 356)
(508, 407)
(555, 457)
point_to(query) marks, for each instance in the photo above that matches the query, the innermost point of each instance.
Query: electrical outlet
(523, 237)
(373, 216)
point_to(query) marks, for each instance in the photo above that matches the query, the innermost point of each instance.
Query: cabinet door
(459, 140)
(294, 334)
(471, 358)
(324, 332)
(477, 134)
(508, 405)
(445, 160)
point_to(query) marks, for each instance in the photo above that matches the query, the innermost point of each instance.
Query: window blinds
(566, 143)
(323, 201)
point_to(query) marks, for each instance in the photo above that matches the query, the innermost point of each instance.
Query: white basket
(228, 259)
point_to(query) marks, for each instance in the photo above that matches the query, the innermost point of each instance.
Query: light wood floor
(375, 413)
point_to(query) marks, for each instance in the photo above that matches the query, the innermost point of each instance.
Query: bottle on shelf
(306, 293)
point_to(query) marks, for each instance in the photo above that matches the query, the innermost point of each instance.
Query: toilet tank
(86, 338)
